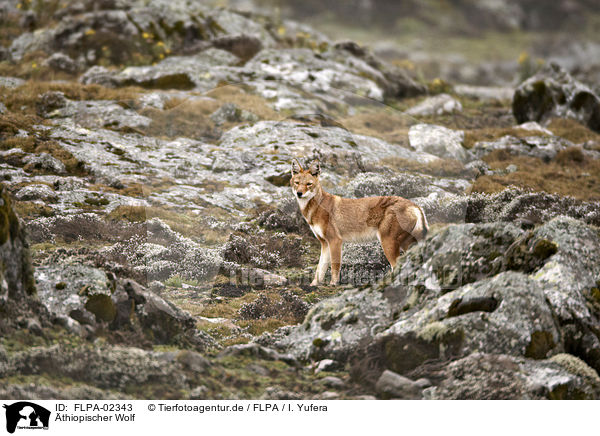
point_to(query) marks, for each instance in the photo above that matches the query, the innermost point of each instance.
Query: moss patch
(576, 366)
(102, 307)
(540, 344)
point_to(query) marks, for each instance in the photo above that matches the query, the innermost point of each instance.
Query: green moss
(412, 300)
(595, 292)
(540, 344)
(97, 201)
(576, 366)
(102, 306)
(9, 223)
(544, 248)
(318, 342)
(562, 392)
(433, 331)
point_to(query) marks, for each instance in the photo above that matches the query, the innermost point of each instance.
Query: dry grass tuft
(10, 124)
(570, 173)
(23, 99)
(439, 167)
(391, 127)
(249, 102)
(572, 130)
(30, 209)
(187, 118)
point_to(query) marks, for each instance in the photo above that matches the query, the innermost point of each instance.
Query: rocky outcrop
(554, 93)
(87, 300)
(528, 208)
(437, 105)
(111, 368)
(121, 32)
(524, 294)
(543, 147)
(18, 298)
(439, 141)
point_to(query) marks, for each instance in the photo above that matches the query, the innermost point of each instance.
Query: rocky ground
(150, 247)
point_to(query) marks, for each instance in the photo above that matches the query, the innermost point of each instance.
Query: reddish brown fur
(396, 221)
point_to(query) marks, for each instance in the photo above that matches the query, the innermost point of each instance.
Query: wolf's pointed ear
(315, 168)
(296, 168)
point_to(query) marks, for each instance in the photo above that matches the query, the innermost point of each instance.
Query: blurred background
(490, 42)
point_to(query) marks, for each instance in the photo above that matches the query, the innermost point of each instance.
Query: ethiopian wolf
(395, 221)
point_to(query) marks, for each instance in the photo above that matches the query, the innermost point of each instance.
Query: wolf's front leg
(335, 254)
(323, 264)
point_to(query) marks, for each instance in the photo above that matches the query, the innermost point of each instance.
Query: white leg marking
(324, 260)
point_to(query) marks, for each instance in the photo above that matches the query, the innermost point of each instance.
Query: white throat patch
(303, 201)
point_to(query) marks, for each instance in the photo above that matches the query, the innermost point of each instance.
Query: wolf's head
(305, 183)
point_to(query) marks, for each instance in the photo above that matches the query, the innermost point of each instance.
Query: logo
(26, 415)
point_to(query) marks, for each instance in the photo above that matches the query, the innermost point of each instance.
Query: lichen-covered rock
(439, 141)
(335, 327)
(554, 93)
(569, 279)
(505, 314)
(203, 70)
(18, 300)
(491, 288)
(497, 376)
(397, 84)
(76, 291)
(230, 112)
(133, 31)
(62, 62)
(99, 114)
(392, 385)
(79, 296)
(36, 192)
(543, 147)
(104, 367)
(163, 322)
(438, 105)
(362, 263)
(407, 185)
(530, 208)
(46, 162)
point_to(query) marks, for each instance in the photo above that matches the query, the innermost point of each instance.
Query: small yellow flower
(161, 56)
(34, 65)
(90, 32)
(160, 44)
(146, 35)
(19, 5)
(523, 57)
(281, 31)
(168, 51)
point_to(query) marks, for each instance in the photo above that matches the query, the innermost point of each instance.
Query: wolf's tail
(421, 227)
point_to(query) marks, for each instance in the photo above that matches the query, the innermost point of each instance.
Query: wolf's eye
(309, 184)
